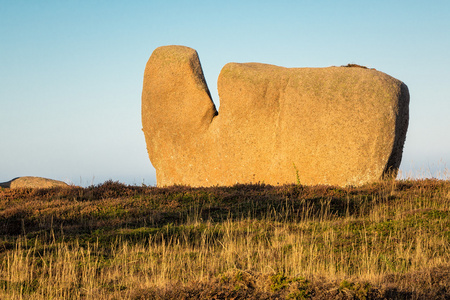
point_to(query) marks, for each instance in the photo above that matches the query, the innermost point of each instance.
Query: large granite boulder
(33, 183)
(336, 126)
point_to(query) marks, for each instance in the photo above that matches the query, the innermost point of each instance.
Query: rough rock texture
(336, 126)
(32, 182)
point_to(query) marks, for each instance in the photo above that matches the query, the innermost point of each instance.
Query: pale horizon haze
(71, 72)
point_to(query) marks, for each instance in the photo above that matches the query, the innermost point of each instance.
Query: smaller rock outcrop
(33, 183)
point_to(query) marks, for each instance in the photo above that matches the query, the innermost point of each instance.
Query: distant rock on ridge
(336, 126)
(32, 182)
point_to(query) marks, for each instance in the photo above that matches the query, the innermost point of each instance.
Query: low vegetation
(354, 66)
(389, 240)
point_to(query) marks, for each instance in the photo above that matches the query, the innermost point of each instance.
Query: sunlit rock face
(335, 126)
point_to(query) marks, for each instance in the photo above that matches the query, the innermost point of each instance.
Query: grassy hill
(389, 240)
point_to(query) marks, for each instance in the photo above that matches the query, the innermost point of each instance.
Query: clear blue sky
(71, 71)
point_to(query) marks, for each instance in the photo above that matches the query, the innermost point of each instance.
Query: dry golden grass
(387, 240)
